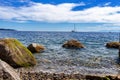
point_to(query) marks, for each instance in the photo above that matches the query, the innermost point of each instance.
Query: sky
(60, 15)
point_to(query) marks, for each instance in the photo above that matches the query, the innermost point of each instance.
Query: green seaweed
(106, 78)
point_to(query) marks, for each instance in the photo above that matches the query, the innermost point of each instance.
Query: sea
(94, 58)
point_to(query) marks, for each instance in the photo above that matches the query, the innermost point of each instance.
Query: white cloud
(60, 13)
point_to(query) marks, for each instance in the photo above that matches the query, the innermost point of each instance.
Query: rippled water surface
(95, 58)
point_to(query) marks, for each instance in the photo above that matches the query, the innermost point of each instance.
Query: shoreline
(26, 74)
(31, 74)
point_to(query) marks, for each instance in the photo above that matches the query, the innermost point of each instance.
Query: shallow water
(95, 58)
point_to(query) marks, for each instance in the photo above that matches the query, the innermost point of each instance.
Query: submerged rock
(113, 45)
(15, 54)
(73, 44)
(35, 48)
(7, 72)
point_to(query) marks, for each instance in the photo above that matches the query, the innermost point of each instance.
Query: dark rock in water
(113, 45)
(73, 44)
(35, 48)
(15, 54)
(7, 72)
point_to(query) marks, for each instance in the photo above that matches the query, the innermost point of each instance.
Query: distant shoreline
(2, 29)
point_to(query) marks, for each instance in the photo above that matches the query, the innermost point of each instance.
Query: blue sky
(60, 15)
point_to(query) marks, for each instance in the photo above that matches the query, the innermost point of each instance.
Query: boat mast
(74, 27)
(119, 37)
(119, 45)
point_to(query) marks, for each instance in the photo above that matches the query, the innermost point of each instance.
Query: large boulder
(113, 45)
(35, 48)
(73, 44)
(7, 72)
(15, 54)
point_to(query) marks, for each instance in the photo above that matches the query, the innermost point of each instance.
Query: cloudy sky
(60, 15)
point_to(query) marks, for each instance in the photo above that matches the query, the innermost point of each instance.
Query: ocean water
(94, 58)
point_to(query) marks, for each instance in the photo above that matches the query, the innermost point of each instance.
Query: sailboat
(74, 30)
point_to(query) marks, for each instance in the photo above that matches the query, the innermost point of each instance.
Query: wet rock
(93, 77)
(7, 72)
(73, 44)
(97, 77)
(15, 54)
(113, 77)
(35, 48)
(113, 45)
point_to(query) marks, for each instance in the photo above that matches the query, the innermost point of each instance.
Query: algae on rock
(15, 53)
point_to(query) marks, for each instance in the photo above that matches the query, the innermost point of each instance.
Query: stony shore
(33, 75)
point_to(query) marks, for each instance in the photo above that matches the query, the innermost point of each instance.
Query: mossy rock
(15, 53)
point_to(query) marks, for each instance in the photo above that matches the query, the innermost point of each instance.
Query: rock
(7, 72)
(35, 48)
(113, 45)
(15, 54)
(73, 44)
(98, 77)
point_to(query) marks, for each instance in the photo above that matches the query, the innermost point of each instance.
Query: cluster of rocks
(70, 44)
(14, 53)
